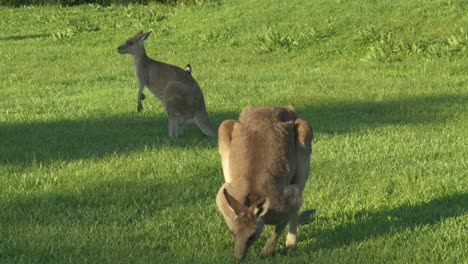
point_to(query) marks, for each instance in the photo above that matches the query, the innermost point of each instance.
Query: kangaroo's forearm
(140, 97)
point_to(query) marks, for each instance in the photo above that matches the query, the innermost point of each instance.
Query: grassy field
(85, 178)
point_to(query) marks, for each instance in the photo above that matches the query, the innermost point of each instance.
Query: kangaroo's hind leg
(173, 127)
(181, 124)
(177, 105)
(304, 137)
(224, 144)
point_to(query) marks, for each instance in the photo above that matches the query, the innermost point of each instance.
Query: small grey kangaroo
(179, 93)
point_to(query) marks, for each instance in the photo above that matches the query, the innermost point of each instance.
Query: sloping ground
(84, 178)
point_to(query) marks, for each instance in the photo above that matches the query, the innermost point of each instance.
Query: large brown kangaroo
(266, 162)
(177, 90)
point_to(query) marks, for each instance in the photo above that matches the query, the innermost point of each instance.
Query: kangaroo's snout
(121, 49)
(240, 255)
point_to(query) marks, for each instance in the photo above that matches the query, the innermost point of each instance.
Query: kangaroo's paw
(291, 241)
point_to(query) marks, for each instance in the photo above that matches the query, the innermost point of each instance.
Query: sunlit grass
(85, 178)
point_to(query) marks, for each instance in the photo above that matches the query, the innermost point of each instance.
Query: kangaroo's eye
(251, 237)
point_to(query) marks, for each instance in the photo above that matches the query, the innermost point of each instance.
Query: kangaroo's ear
(139, 34)
(145, 35)
(304, 135)
(233, 203)
(261, 207)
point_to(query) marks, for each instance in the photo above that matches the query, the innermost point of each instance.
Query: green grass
(85, 178)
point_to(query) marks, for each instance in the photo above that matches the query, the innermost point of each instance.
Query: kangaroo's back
(263, 149)
(164, 73)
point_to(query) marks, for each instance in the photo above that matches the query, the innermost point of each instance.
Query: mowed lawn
(84, 178)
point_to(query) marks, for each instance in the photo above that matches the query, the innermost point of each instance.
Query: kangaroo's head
(246, 225)
(134, 44)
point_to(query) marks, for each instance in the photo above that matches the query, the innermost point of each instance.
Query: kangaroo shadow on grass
(348, 116)
(371, 224)
(77, 139)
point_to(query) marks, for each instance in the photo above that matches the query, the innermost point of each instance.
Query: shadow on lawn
(77, 139)
(121, 201)
(371, 224)
(348, 116)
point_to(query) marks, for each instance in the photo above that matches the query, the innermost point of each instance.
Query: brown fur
(178, 91)
(266, 162)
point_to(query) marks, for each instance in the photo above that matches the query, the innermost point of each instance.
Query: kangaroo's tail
(203, 122)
